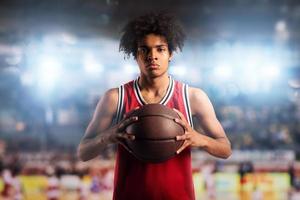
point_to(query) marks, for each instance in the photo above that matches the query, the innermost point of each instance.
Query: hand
(190, 137)
(118, 134)
(121, 134)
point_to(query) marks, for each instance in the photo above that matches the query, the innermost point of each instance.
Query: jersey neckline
(163, 101)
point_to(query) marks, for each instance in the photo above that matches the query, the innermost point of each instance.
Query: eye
(142, 50)
(161, 49)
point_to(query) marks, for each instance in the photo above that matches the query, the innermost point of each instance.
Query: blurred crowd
(57, 174)
(262, 127)
(54, 173)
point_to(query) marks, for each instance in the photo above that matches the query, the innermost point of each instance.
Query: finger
(129, 136)
(185, 144)
(183, 137)
(182, 123)
(180, 137)
(179, 113)
(126, 114)
(126, 122)
(126, 136)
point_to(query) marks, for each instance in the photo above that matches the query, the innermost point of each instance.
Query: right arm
(100, 131)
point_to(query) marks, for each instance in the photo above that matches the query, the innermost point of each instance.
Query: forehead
(153, 40)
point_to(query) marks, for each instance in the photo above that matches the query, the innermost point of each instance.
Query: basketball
(155, 133)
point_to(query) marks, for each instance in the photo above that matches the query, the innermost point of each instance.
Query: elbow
(81, 155)
(227, 153)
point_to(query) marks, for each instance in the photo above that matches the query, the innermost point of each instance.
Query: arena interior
(57, 58)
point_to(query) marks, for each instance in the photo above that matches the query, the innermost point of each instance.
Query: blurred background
(58, 57)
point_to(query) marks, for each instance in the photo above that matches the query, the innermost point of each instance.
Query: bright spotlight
(49, 72)
(280, 26)
(281, 31)
(91, 65)
(270, 72)
(223, 72)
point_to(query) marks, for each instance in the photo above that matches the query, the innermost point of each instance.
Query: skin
(153, 59)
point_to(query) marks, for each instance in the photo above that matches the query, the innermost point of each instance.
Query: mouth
(152, 66)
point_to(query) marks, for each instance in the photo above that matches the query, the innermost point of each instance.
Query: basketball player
(152, 39)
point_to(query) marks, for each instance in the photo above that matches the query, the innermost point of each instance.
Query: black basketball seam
(152, 159)
(138, 147)
(157, 115)
(144, 158)
(153, 139)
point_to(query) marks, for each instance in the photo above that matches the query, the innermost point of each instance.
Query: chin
(153, 73)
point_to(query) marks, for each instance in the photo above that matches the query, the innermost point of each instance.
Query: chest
(150, 97)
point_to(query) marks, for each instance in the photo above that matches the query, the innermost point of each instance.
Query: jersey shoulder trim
(185, 93)
(120, 104)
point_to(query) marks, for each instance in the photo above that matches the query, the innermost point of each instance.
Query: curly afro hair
(162, 23)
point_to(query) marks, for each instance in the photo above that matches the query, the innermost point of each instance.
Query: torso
(171, 179)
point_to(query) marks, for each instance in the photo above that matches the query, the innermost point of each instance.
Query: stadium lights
(280, 26)
(259, 78)
(69, 38)
(270, 72)
(281, 31)
(223, 72)
(91, 65)
(48, 73)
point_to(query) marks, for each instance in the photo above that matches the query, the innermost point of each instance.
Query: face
(153, 56)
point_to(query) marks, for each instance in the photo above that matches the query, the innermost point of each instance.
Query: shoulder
(111, 95)
(109, 101)
(197, 94)
(199, 100)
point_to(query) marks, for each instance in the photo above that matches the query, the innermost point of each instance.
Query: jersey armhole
(118, 116)
(186, 100)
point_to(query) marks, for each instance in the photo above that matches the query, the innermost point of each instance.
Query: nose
(151, 55)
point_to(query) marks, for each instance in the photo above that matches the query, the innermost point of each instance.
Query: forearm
(219, 147)
(90, 148)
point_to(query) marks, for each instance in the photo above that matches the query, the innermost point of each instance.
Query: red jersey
(137, 180)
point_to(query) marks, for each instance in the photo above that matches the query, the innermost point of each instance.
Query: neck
(155, 85)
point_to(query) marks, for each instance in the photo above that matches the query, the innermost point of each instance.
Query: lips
(153, 66)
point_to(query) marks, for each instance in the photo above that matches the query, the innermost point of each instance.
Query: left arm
(215, 141)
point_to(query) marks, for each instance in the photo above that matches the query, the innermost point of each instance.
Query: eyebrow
(160, 45)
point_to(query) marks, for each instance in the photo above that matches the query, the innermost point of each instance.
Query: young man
(152, 39)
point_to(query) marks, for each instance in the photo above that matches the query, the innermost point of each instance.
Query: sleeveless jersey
(136, 180)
